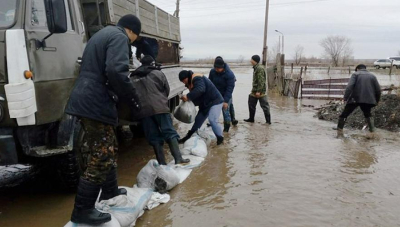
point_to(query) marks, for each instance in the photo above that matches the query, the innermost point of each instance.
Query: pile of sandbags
(153, 181)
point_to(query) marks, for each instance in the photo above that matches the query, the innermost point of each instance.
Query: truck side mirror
(56, 20)
(56, 16)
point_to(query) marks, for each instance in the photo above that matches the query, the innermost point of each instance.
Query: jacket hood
(144, 70)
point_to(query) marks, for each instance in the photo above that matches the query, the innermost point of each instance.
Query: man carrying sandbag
(204, 94)
(103, 76)
(152, 85)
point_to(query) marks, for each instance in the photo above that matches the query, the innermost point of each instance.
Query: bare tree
(272, 52)
(240, 59)
(337, 48)
(298, 54)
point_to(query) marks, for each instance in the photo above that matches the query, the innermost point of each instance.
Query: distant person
(102, 81)
(364, 91)
(153, 87)
(224, 80)
(204, 94)
(259, 91)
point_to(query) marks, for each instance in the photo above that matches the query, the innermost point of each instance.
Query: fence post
(329, 69)
(349, 70)
(329, 88)
(391, 68)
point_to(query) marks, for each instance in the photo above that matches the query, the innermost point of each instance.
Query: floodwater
(291, 173)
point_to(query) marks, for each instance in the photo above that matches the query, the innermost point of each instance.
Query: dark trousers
(158, 128)
(264, 106)
(349, 108)
(103, 147)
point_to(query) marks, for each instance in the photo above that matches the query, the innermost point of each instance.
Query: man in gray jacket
(152, 85)
(363, 90)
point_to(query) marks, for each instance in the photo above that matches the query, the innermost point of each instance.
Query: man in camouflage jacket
(259, 91)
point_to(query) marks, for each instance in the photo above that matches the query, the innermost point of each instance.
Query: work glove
(188, 135)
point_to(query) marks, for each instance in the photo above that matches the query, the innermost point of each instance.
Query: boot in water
(176, 153)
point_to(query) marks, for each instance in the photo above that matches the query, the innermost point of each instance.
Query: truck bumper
(8, 151)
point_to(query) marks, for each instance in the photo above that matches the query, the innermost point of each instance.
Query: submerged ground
(291, 173)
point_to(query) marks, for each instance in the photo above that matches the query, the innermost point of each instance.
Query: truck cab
(38, 68)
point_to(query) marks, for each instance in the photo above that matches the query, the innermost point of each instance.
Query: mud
(291, 173)
(386, 114)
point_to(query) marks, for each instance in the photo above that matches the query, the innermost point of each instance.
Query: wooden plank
(323, 92)
(146, 5)
(326, 81)
(146, 14)
(325, 86)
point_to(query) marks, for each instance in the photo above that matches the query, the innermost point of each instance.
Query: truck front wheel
(72, 164)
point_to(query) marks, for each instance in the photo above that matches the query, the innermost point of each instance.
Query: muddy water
(292, 173)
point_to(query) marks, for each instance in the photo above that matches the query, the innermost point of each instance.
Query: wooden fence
(324, 89)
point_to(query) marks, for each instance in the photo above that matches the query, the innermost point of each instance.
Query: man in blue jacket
(102, 81)
(204, 94)
(224, 80)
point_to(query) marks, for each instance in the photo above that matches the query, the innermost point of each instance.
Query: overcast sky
(231, 28)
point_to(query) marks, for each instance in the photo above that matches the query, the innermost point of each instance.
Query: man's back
(363, 87)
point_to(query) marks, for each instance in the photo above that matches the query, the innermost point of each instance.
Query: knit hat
(256, 58)
(131, 22)
(147, 60)
(219, 62)
(185, 74)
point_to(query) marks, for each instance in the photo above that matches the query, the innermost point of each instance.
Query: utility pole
(176, 13)
(265, 47)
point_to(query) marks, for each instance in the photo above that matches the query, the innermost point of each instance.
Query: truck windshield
(8, 9)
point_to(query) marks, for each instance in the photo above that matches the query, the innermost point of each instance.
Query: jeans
(264, 106)
(158, 128)
(349, 108)
(227, 113)
(213, 116)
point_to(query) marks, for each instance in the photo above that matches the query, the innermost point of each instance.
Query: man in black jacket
(153, 87)
(102, 81)
(363, 90)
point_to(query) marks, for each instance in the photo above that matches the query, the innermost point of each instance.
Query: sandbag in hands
(185, 112)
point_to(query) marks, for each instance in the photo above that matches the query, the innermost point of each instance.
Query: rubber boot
(110, 187)
(371, 127)
(268, 119)
(84, 211)
(227, 125)
(176, 153)
(340, 127)
(220, 140)
(159, 151)
(234, 122)
(188, 135)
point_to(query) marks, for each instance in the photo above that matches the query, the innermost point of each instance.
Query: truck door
(54, 67)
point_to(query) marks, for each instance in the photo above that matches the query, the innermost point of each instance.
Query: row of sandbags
(153, 181)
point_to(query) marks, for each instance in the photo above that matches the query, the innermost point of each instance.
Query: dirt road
(291, 173)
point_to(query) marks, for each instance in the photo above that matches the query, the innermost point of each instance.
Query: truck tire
(377, 66)
(14, 175)
(71, 165)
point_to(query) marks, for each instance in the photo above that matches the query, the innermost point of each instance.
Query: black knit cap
(256, 58)
(131, 22)
(185, 74)
(219, 62)
(147, 60)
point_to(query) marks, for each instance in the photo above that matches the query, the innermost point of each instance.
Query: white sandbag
(127, 208)
(157, 199)
(207, 135)
(185, 112)
(113, 223)
(195, 146)
(195, 161)
(182, 173)
(148, 175)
